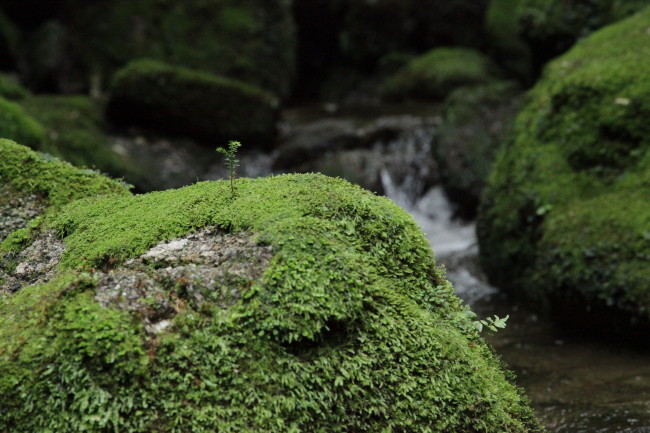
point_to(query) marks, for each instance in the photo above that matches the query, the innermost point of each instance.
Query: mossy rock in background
(476, 120)
(550, 27)
(250, 40)
(565, 217)
(436, 73)
(371, 29)
(10, 88)
(56, 181)
(192, 103)
(16, 124)
(75, 133)
(505, 43)
(349, 325)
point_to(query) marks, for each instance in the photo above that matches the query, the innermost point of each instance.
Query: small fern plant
(231, 162)
(492, 324)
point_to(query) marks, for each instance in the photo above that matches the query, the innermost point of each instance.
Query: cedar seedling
(231, 161)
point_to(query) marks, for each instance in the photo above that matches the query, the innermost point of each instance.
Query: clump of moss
(192, 103)
(352, 326)
(75, 133)
(436, 73)
(475, 121)
(57, 181)
(564, 217)
(16, 124)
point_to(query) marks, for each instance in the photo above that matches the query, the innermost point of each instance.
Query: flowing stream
(576, 385)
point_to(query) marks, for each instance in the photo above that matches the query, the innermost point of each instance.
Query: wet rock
(306, 143)
(395, 149)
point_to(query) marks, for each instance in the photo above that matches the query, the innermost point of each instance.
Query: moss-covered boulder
(550, 27)
(301, 303)
(250, 40)
(16, 124)
(436, 73)
(192, 103)
(566, 217)
(75, 132)
(371, 29)
(476, 120)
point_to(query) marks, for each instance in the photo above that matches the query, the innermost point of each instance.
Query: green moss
(352, 327)
(250, 40)
(17, 125)
(75, 133)
(63, 351)
(434, 74)
(551, 27)
(10, 88)
(193, 103)
(564, 215)
(58, 181)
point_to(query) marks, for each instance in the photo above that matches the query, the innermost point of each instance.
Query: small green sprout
(231, 161)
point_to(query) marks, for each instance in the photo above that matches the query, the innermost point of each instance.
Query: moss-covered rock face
(56, 182)
(475, 121)
(551, 27)
(250, 40)
(437, 72)
(30, 183)
(565, 216)
(196, 104)
(303, 303)
(16, 124)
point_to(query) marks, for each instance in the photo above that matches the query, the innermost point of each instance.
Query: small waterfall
(453, 242)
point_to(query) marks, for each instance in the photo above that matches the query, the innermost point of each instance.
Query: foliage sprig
(231, 161)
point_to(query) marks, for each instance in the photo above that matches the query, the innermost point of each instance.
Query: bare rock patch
(209, 266)
(16, 210)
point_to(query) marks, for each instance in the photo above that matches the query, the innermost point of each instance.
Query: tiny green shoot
(231, 161)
